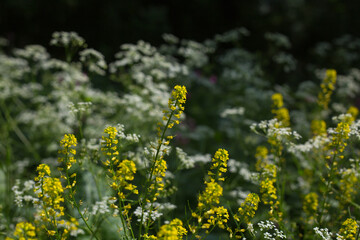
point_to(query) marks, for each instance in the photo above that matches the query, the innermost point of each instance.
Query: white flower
(323, 233)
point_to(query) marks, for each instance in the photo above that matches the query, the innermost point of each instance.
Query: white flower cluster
(131, 138)
(145, 58)
(188, 162)
(355, 129)
(323, 233)
(13, 68)
(239, 194)
(94, 60)
(67, 39)
(201, 158)
(101, 207)
(195, 53)
(278, 39)
(169, 38)
(54, 64)
(285, 60)
(20, 195)
(79, 107)
(240, 168)
(267, 225)
(233, 35)
(185, 161)
(232, 112)
(317, 142)
(341, 118)
(35, 53)
(153, 211)
(273, 128)
(348, 86)
(74, 229)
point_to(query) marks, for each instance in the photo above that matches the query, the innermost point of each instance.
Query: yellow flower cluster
(120, 172)
(68, 143)
(338, 141)
(245, 213)
(109, 146)
(354, 112)
(281, 113)
(211, 195)
(327, 88)
(268, 190)
(176, 106)
(217, 216)
(67, 156)
(348, 186)
(179, 96)
(318, 127)
(213, 190)
(208, 200)
(24, 231)
(70, 226)
(172, 231)
(50, 192)
(348, 229)
(261, 156)
(124, 173)
(248, 208)
(219, 161)
(43, 170)
(310, 205)
(158, 174)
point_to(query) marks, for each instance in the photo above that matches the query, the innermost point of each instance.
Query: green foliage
(123, 150)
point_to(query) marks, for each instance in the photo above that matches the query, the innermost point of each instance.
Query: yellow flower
(318, 127)
(249, 206)
(327, 88)
(310, 204)
(268, 191)
(261, 156)
(211, 195)
(124, 173)
(69, 140)
(348, 229)
(281, 113)
(109, 144)
(42, 169)
(219, 161)
(68, 144)
(277, 99)
(25, 230)
(353, 111)
(216, 216)
(172, 231)
(339, 138)
(348, 186)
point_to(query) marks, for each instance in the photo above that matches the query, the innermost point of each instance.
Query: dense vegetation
(185, 140)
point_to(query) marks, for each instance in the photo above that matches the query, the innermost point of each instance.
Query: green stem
(74, 200)
(148, 181)
(18, 132)
(357, 235)
(327, 189)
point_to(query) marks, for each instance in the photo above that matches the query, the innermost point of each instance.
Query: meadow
(187, 140)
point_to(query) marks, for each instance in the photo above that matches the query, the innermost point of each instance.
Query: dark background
(107, 24)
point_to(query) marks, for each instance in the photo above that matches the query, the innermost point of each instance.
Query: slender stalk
(73, 198)
(77, 206)
(18, 132)
(148, 181)
(327, 190)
